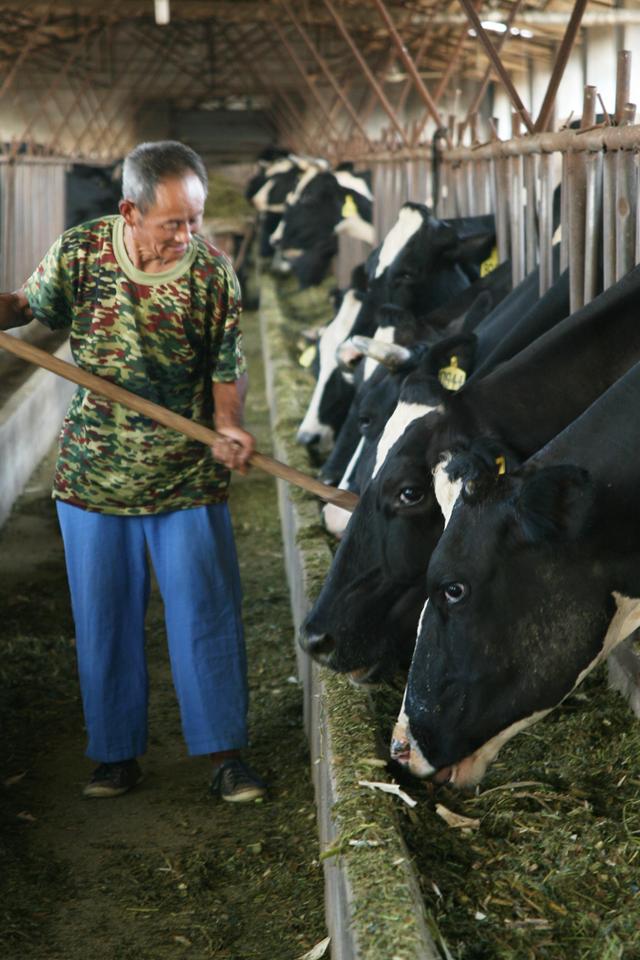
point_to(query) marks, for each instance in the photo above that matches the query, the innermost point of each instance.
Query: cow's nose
(320, 646)
(307, 439)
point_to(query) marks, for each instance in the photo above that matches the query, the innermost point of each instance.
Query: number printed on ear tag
(490, 263)
(452, 377)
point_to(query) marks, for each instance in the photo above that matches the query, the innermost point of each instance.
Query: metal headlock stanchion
(197, 431)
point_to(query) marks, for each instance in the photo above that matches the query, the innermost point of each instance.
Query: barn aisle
(164, 871)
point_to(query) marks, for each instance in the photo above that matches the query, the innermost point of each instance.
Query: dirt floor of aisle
(164, 871)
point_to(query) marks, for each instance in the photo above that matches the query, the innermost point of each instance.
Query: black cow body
(534, 581)
(268, 191)
(380, 565)
(324, 204)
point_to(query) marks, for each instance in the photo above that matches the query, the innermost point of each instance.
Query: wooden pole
(196, 431)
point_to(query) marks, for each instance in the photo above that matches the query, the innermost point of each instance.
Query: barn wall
(32, 215)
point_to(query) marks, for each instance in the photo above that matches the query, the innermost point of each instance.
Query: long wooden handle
(104, 387)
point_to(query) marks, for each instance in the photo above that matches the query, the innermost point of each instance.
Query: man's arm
(236, 445)
(14, 310)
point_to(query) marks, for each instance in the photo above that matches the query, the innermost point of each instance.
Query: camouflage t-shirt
(164, 336)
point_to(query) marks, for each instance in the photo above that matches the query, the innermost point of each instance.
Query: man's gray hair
(150, 163)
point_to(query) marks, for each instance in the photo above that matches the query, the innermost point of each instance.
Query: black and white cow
(333, 392)
(268, 191)
(375, 590)
(535, 580)
(324, 204)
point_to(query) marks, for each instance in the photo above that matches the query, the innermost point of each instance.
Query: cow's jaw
(330, 339)
(469, 771)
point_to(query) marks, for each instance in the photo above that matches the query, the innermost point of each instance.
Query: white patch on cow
(471, 770)
(383, 335)
(409, 222)
(260, 199)
(353, 183)
(302, 183)
(280, 166)
(335, 518)
(357, 228)
(276, 236)
(330, 339)
(446, 490)
(402, 417)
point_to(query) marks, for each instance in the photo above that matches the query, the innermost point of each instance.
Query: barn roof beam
(305, 77)
(340, 24)
(409, 63)
(494, 57)
(559, 67)
(322, 63)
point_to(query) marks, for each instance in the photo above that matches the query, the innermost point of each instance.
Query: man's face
(164, 230)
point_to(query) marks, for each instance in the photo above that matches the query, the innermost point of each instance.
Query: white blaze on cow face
(353, 183)
(330, 339)
(446, 490)
(409, 222)
(276, 236)
(401, 418)
(472, 769)
(336, 518)
(383, 335)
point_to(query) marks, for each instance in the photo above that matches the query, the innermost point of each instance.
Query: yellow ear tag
(307, 356)
(453, 376)
(349, 208)
(490, 263)
(501, 464)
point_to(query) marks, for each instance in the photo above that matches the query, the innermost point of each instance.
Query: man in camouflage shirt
(154, 307)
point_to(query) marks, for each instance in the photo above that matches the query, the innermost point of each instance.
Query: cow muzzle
(319, 646)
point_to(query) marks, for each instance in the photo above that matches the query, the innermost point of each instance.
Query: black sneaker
(113, 779)
(234, 781)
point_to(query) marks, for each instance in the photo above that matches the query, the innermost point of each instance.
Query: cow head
(366, 615)
(323, 205)
(518, 612)
(268, 191)
(424, 261)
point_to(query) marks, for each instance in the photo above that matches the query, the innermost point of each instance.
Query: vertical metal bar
(501, 208)
(636, 163)
(623, 82)
(609, 164)
(516, 219)
(592, 223)
(530, 226)
(545, 176)
(626, 202)
(564, 216)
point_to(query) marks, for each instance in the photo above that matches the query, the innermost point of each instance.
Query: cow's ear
(555, 503)
(479, 309)
(452, 360)
(470, 250)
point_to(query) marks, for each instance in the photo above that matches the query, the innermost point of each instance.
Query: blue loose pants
(194, 560)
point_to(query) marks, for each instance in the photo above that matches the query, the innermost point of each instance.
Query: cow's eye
(364, 421)
(454, 592)
(411, 495)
